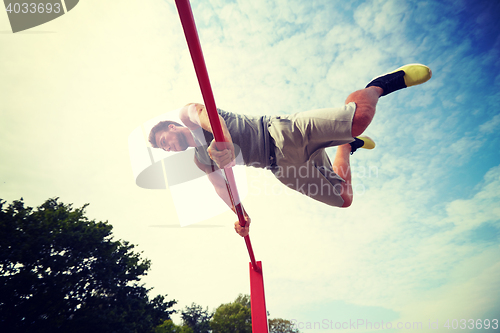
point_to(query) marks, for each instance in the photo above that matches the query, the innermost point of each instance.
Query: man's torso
(250, 136)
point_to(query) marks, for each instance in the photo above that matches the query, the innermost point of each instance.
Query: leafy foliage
(196, 318)
(279, 325)
(243, 300)
(60, 272)
(233, 317)
(169, 327)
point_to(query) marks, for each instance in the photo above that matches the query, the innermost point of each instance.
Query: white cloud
(465, 147)
(491, 125)
(382, 18)
(483, 207)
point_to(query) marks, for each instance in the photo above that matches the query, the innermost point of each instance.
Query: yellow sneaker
(406, 76)
(362, 141)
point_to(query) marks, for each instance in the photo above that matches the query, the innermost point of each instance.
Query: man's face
(171, 139)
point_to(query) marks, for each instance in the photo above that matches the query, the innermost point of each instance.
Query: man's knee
(346, 195)
(362, 118)
(347, 201)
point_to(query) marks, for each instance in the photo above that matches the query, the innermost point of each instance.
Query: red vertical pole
(258, 300)
(257, 296)
(193, 41)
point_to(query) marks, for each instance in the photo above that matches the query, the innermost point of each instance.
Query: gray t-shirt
(250, 137)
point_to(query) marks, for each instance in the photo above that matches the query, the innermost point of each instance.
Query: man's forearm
(220, 186)
(224, 195)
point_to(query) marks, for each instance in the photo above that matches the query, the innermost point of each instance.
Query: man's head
(168, 136)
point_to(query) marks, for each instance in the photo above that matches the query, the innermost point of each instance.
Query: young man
(292, 146)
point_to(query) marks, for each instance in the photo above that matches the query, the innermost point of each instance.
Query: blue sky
(419, 244)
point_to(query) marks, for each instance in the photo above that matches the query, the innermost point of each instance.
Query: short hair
(161, 126)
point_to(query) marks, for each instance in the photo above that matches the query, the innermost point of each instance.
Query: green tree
(233, 317)
(61, 272)
(196, 318)
(243, 300)
(169, 327)
(279, 325)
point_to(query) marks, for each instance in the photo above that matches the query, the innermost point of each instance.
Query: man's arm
(195, 116)
(218, 181)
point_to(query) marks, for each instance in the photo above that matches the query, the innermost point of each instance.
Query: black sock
(357, 143)
(389, 82)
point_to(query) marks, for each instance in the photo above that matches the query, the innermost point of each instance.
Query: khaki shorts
(301, 160)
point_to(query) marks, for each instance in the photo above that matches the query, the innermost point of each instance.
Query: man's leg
(342, 168)
(366, 101)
